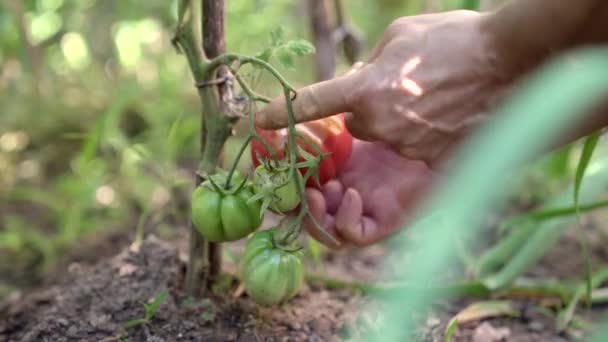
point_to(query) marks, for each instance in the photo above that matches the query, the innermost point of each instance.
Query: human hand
(428, 82)
(371, 198)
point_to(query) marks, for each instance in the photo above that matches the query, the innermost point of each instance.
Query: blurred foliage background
(99, 118)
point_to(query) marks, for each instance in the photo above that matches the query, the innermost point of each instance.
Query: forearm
(527, 32)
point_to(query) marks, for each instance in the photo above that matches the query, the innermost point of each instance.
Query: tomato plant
(328, 135)
(275, 185)
(271, 273)
(226, 206)
(225, 213)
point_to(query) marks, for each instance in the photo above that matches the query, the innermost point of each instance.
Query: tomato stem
(253, 96)
(230, 58)
(293, 159)
(236, 161)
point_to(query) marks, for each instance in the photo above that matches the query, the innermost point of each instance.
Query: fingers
(354, 68)
(316, 205)
(352, 225)
(333, 192)
(316, 101)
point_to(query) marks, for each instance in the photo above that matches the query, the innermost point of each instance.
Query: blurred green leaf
(557, 95)
(588, 148)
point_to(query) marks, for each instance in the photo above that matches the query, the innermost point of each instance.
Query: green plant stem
(140, 230)
(237, 159)
(215, 129)
(565, 316)
(585, 158)
(522, 288)
(496, 256)
(253, 96)
(525, 252)
(230, 58)
(551, 213)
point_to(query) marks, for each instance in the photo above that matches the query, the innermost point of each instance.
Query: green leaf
(135, 322)
(277, 37)
(299, 47)
(173, 139)
(285, 51)
(258, 196)
(285, 58)
(587, 153)
(567, 314)
(450, 330)
(265, 55)
(588, 148)
(156, 303)
(265, 205)
(222, 284)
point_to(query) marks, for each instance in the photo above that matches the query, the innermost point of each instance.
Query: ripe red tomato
(329, 135)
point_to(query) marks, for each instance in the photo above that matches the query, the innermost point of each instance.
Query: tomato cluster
(230, 207)
(329, 135)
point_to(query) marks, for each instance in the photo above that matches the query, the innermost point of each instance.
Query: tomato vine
(216, 125)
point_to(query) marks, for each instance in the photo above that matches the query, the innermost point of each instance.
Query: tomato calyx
(272, 273)
(219, 183)
(222, 212)
(275, 187)
(280, 243)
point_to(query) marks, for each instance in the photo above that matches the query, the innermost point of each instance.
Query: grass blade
(587, 153)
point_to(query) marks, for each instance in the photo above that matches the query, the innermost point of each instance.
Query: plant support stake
(204, 259)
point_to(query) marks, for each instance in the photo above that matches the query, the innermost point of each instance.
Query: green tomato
(281, 190)
(225, 215)
(270, 274)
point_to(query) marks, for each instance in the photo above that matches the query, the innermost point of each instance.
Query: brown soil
(92, 302)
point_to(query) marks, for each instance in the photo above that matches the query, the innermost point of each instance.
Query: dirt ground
(98, 291)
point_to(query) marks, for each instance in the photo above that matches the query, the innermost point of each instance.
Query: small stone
(127, 269)
(62, 322)
(247, 336)
(536, 326)
(74, 268)
(485, 332)
(72, 331)
(319, 325)
(432, 322)
(97, 321)
(231, 336)
(295, 326)
(299, 336)
(315, 338)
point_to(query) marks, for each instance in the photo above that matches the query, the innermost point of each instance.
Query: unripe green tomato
(285, 196)
(225, 215)
(270, 274)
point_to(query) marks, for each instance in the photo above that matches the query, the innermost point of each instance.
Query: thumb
(313, 102)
